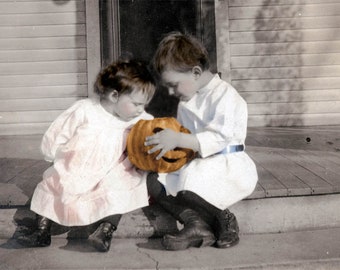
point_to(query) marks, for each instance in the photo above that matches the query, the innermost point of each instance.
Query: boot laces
(225, 219)
(108, 230)
(228, 218)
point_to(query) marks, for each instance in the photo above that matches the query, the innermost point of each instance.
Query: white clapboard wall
(42, 62)
(285, 60)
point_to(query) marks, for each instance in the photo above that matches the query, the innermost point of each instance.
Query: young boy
(199, 194)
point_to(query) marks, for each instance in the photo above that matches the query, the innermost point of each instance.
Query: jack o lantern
(138, 152)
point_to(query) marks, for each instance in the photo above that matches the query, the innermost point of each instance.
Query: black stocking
(206, 210)
(114, 220)
(157, 192)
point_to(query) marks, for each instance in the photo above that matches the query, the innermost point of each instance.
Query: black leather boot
(226, 229)
(101, 238)
(41, 237)
(196, 233)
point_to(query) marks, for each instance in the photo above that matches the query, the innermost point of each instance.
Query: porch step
(257, 216)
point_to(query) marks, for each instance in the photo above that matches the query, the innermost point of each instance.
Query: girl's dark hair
(125, 77)
(180, 52)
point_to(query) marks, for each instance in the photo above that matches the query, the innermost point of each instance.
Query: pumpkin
(138, 152)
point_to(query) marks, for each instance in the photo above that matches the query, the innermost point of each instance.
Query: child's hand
(164, 140)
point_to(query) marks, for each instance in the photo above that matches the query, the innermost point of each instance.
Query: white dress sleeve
(146, 116)
(61, 130)
(227, 116)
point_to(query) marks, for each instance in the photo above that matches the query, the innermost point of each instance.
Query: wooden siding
(43, 62)
(285, 59)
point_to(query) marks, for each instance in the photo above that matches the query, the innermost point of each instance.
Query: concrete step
(269, 215)
(304, 250)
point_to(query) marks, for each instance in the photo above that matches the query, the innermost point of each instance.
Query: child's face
(181, 84)
(129, 106)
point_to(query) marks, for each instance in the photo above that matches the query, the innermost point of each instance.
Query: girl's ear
(196, 71)
(113, 96)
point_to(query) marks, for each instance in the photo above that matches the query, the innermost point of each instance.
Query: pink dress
(91, 176)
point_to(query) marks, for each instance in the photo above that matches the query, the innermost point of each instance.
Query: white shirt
(217, 115)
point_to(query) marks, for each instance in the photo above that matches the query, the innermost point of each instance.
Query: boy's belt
(235, 148)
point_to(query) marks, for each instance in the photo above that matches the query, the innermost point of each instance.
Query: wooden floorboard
(313, 166)
(287, 172)
(272, 186)
(317, 184)
(333, 158)
(280, 168)
(13, 167)
(293, 161)
(324, 160)
(258, 193)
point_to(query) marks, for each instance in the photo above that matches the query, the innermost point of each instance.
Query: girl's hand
(164, 140)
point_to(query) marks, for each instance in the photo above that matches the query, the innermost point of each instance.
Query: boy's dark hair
(180, 52)
(125, 77)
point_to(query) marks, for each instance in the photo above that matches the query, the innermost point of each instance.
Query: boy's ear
(196, 71)
(113, 96)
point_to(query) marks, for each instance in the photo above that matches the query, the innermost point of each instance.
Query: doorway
(135, 27)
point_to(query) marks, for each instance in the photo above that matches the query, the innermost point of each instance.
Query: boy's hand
(164, 140)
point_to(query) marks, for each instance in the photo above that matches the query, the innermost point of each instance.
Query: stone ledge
(270, 215)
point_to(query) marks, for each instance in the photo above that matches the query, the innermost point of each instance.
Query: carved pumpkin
(138, 152)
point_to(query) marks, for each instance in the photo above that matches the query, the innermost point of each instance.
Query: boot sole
(99, 246)
(227, 245)
(28, 243)
(174, 244)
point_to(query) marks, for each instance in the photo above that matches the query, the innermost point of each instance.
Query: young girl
(199, 194)
(91, 179)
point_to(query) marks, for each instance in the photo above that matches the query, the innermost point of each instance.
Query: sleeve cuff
(209, 144)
